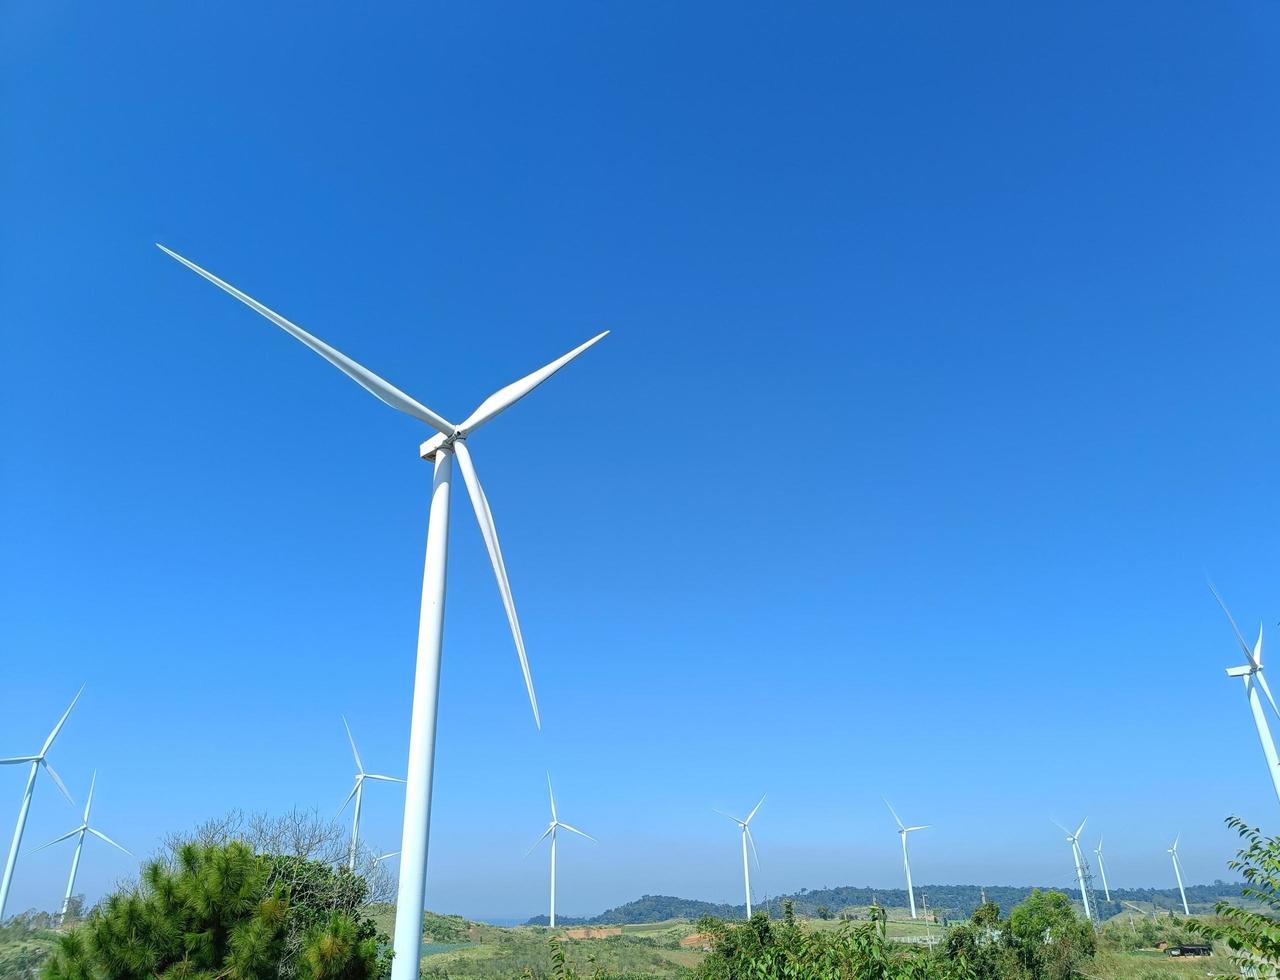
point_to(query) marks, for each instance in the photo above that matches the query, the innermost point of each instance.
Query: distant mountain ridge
(948, 901)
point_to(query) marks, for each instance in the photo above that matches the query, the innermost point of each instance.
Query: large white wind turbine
(1177, 873)
(1251, 674)
(79, 833)
(448, 442)
(1078, 856)
(744, 826)
(903, 830)
(357, 793)
(37, 761)
(556, 824)
(1102, 867)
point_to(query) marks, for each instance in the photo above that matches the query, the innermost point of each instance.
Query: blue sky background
(942, 373)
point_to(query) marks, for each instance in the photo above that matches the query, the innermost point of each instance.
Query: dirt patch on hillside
(593, 932)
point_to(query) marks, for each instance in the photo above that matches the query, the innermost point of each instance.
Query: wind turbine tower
(357, 793)
(556, 824)
(79, 834)
(1177, 872)
(1106, 890)
(745, 827)
(1078, 856)
(449, 441)
(1251, 673)
(903, 831)
(37, 761)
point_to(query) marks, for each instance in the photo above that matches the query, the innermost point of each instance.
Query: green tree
(219, 912)
(1050, 939)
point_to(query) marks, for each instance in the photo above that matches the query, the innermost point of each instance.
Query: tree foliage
(1253, 936)
(225, 913)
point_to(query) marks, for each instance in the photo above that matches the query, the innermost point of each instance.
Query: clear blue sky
(942, 372)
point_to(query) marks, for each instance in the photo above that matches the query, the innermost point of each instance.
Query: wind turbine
(1177, 871)
(744, 826)
(357, 793)
(903, 830)
(556, 824)
(449, 441)
(37, 761)
(1251, 674)
(79, 833)
(1106, 890)
(1078, 855)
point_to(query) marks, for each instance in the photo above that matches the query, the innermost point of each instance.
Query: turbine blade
(726, 816)
(19, 759)
(897, 819)
(911, 830)
(383, 857)
(1080, 829)
(89, 802)
(1175, 843)
(57, 840)
(350, 797)
(381, 389)
(1231, 619)
(1060, 827)
(552, 795)
(752, 841)
(753, 811)
(385, 779)
(48, 742)
(545, 834)
(57, 779)
(484, 517)
(504, 398)
(103, 837)
(575, 830)
(1266, 689)
(351, 739)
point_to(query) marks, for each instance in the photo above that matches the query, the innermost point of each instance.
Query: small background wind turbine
(556, 824)
(744, 826)
(448, 442)
(1177, 872)
(1078, 856)
(79, 833)
(37, 761)
(1251, 674)
(1102, 868)
(357, 793)
(903, 831)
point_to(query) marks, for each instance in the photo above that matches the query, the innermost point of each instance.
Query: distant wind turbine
(79, 833)
(903, 830)
(1177, 872)
(357, 793)
(449, 441)
(37, 761)
(1251, 674)
(556, 824)
(1078, 856)
(744, 826)
(1106, 890)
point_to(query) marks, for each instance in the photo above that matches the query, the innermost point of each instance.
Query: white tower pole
(355, 822)
(411, 895)
(746, 870)
(553, 876)
(906, 864)
(17, 836)
(1177, 871)
(75, 866)
(1084, 894)
(1264, 731)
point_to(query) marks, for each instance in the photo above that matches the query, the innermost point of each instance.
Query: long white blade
(350, 797)
(381, 389)
(575, 830)
(385, 779)
(1266, 689)
(752, 841)
(1175, 843)
(1080, 829)
(103, 837)
(89, 802)
(545, 834)
(727, 817)
(48, 742)
(484, 517)
(1236, 629)
(897, 819)
(351, 739)
(753, 810)
(910, 830)
(504, 398)
(58, 840)
(552, 795)
(383, 857)
(1062, 828)
(57, 779)
(19, 759)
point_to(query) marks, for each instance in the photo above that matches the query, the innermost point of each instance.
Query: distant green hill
(948, 901)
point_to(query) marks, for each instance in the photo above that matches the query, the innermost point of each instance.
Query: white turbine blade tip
(504, 398)
(351, 738)
(754, 809)
(103, 837)
(896, 818)
(489, 531)
(58, 780)
(575, 830)
(48, 742)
